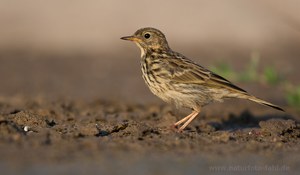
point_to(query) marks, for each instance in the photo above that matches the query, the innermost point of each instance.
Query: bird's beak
(130, 38)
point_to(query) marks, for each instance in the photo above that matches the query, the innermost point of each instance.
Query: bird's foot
(176, 129)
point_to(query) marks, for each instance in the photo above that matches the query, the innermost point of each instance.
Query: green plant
(251, 72)
(271, 76)
(293, 96)
(225, 70)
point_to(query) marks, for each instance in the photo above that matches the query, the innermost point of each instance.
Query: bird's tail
(260, 101)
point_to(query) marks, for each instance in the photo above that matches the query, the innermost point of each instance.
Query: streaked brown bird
(176, 79)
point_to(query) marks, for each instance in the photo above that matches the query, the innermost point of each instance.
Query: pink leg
(184, 119)
(191, 118)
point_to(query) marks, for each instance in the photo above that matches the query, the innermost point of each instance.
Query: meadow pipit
(176, 79)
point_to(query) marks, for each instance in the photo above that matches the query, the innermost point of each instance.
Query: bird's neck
(149, 51)
(143, 51)
(158, 52)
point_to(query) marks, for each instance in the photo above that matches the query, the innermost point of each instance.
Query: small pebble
(26, 128)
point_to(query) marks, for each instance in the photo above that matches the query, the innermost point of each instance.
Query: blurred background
(71, 49)
(53, 51)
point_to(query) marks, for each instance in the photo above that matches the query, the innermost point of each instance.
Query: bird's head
(149, 38)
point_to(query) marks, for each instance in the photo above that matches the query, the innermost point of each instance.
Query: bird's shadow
(247, 120)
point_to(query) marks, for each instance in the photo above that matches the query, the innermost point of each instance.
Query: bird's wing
(186, 71)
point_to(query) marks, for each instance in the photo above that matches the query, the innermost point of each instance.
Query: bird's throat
(142, 49)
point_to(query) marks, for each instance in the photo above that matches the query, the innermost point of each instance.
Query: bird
(178, 80)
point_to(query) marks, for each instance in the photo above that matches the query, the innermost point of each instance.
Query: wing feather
(189, 72)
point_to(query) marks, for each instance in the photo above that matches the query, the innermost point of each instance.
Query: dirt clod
(278, 126)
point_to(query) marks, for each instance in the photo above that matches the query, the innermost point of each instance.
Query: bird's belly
(185, 95)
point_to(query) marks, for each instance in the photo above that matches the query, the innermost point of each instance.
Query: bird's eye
(147, 35)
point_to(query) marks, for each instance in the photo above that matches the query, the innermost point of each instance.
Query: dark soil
(73, 131)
